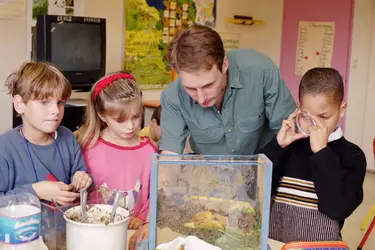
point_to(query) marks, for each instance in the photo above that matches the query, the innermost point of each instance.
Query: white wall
(13, 52)
(367, 100)
(264, 38)
(360, 115)
(360, 124)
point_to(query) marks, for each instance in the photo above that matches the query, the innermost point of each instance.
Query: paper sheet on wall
(65, 7)
(314, 45)
(57, 7)
(230, 40)
(12, 8)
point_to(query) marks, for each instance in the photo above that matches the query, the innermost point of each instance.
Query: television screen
(76, 46)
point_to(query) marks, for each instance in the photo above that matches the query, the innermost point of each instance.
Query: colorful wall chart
(150, 26)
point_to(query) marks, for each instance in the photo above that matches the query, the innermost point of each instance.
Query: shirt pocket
(209, 135)
(251, 122)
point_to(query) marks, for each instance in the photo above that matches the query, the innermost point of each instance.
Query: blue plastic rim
(198, 160)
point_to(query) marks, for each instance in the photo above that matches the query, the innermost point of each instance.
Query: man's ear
(225, 65)
(153, 121)
(19, 104)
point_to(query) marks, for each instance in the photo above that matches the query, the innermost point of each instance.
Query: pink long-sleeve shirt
(119, 167)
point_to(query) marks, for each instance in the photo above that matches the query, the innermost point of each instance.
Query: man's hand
(59, 191)
(138, 236)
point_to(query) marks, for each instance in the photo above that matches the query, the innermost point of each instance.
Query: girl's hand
(318, 135)
(81, 180)
(138, 236)
(287, 134)
(135, 223)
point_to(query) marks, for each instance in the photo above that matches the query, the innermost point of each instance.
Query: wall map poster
(150, 26)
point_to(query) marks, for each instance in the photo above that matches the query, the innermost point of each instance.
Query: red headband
(108, 80)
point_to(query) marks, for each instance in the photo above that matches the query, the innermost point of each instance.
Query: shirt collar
(233, 72)
(337, 134)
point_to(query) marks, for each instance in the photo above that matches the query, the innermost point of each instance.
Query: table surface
(275, 245)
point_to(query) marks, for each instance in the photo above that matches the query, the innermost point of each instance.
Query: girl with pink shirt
(114, 153)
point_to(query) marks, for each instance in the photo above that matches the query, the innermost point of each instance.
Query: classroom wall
(13, 52)
(360, 122)
(267, 39)
(263, 38)
(368, 132)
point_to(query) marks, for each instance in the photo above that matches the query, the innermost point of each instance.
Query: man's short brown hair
(196, 48)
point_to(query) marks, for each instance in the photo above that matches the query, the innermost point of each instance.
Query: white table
(275, 245)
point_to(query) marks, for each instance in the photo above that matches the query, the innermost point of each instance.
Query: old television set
(76, 45)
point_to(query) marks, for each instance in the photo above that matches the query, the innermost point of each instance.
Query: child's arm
(143, 213)
(338, 182)
(7, 177)
(276, 148)
(46, 190)
(79, 165)
(274, 152)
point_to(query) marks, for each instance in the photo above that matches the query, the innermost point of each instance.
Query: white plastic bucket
(83, 236)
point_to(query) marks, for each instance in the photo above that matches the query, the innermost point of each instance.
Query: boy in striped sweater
(318, 178)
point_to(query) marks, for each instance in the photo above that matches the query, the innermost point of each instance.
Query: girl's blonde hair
(110, 99)
(38, 81)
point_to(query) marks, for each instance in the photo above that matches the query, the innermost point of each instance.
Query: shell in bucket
(97, 233)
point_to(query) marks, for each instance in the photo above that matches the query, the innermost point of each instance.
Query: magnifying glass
(303, 122)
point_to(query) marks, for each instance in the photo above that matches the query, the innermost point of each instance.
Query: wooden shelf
(244, 21)
(151, 104)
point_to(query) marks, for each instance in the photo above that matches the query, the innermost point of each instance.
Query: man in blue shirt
(229, 103)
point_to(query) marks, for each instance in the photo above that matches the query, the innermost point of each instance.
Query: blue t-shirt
(16, 161)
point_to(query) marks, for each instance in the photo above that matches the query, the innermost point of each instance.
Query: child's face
(323, 107)
(127, 128)
(43, 115)
(155, 132)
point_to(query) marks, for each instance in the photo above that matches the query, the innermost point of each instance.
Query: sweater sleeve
(338, 182)
(274, 152)
(6, 181)
(79, 164)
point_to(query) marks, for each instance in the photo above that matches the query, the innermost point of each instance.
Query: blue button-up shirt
(255, 103)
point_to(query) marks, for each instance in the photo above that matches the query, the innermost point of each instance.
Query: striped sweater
(313, 194)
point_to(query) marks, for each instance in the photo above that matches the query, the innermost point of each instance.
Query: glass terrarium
(223, 200)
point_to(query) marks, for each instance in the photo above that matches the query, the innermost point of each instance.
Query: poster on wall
(314, 45)
(230, 40)
(150, 26)
(10, 9)
(57, 7)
